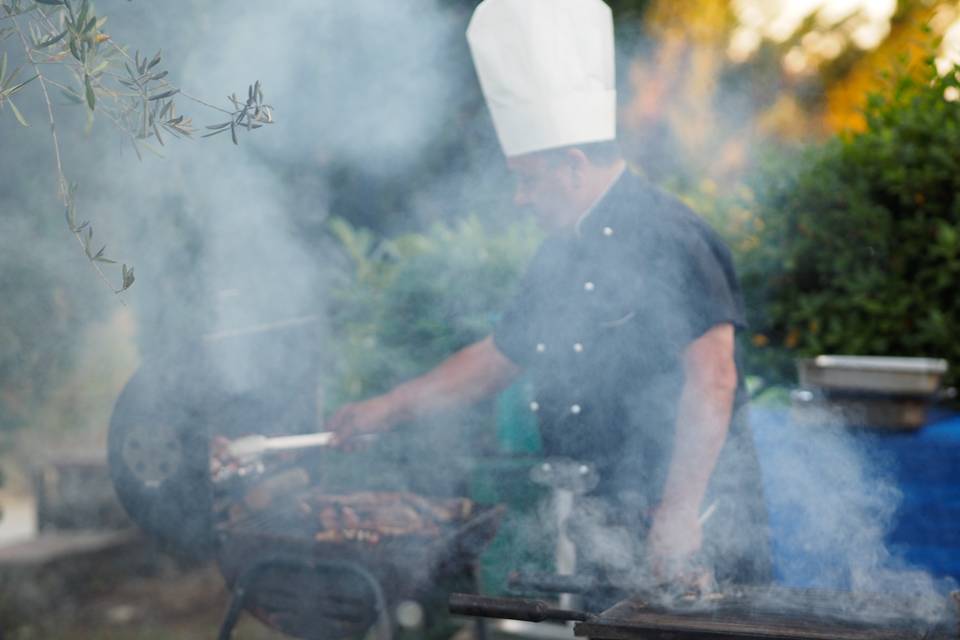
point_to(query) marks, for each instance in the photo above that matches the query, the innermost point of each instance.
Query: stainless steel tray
(873, 411)
(873, 374)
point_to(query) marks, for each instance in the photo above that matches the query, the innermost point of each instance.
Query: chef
(625, 320)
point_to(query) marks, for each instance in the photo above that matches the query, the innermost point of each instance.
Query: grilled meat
(369, 516)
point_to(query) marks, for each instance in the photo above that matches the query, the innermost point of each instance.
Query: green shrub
(853, 246)
(403, 305)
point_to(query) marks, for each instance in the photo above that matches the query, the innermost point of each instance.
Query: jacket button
(578, 347)
(534, 406)
(607, 231)
(541, 347)
(589, 286)
(575, 409)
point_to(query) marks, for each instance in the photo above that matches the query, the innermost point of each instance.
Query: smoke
(831, 498)
(229, 247)
(836, 495)
(232, 258)
(226, 238)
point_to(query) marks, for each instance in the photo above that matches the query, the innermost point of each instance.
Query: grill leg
(480, 625)
(233, 613)
(383, 625)
(235, 607)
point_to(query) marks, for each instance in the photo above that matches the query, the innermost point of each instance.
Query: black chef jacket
(603, 316)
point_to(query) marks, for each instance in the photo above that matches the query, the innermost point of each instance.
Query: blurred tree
(852, 76)
(404, 304)
(701, 102)
(854, 246)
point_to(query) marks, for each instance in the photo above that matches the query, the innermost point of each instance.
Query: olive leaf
(52, 40)
(91, 97)
(17, 114)
(69, 34)
(71, 216)
(165, 94)
(100, 68)
(8, 89)
(99, 257)
(82, 16)
(127, 278)
(87, 238)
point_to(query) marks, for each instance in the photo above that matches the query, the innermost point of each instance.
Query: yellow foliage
(846, 97)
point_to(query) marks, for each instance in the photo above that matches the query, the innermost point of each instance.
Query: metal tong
(244, 456)
(255, 446)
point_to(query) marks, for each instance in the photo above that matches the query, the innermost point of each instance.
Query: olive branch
(132, 92)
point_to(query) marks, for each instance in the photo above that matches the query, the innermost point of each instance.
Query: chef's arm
(469, 375)
(474, 372)
(703, 419)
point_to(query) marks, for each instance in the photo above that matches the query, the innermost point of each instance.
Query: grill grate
(774, 613)
(778, 614)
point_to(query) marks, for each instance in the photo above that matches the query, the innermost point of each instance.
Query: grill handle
(467, 604)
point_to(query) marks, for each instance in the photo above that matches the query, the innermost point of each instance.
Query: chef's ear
(578, 162)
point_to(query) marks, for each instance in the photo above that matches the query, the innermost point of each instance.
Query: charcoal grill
(323, 590)
(159, 458)
(774, 613)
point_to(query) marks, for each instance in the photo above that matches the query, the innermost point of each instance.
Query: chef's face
(546, 185)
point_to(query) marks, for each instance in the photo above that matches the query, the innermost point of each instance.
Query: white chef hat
(546, 68)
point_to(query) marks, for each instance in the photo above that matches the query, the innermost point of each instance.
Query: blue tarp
(921, 467)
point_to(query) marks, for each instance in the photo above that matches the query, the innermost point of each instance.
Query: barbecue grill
(321, 590)
(253, 522)
(742, 613)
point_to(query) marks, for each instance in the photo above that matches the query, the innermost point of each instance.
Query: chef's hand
(357, 419)
(673, 543)
(220, 458)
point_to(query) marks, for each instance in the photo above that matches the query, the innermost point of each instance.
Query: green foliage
(406, 303)
(66, 47)
(854, 246)
(38, 337)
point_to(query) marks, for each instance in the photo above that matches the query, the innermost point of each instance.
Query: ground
(176, 605)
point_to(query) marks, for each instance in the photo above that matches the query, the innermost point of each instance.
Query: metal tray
(873, 374)
(879, 411)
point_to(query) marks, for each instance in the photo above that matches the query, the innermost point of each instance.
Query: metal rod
(467, 604)
(253, 446)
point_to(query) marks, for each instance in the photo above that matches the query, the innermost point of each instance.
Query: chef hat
(547, 71)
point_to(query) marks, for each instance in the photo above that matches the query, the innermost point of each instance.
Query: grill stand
(567, 480)
(240, 589)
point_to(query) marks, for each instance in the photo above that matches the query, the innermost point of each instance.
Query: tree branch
(63, 189)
